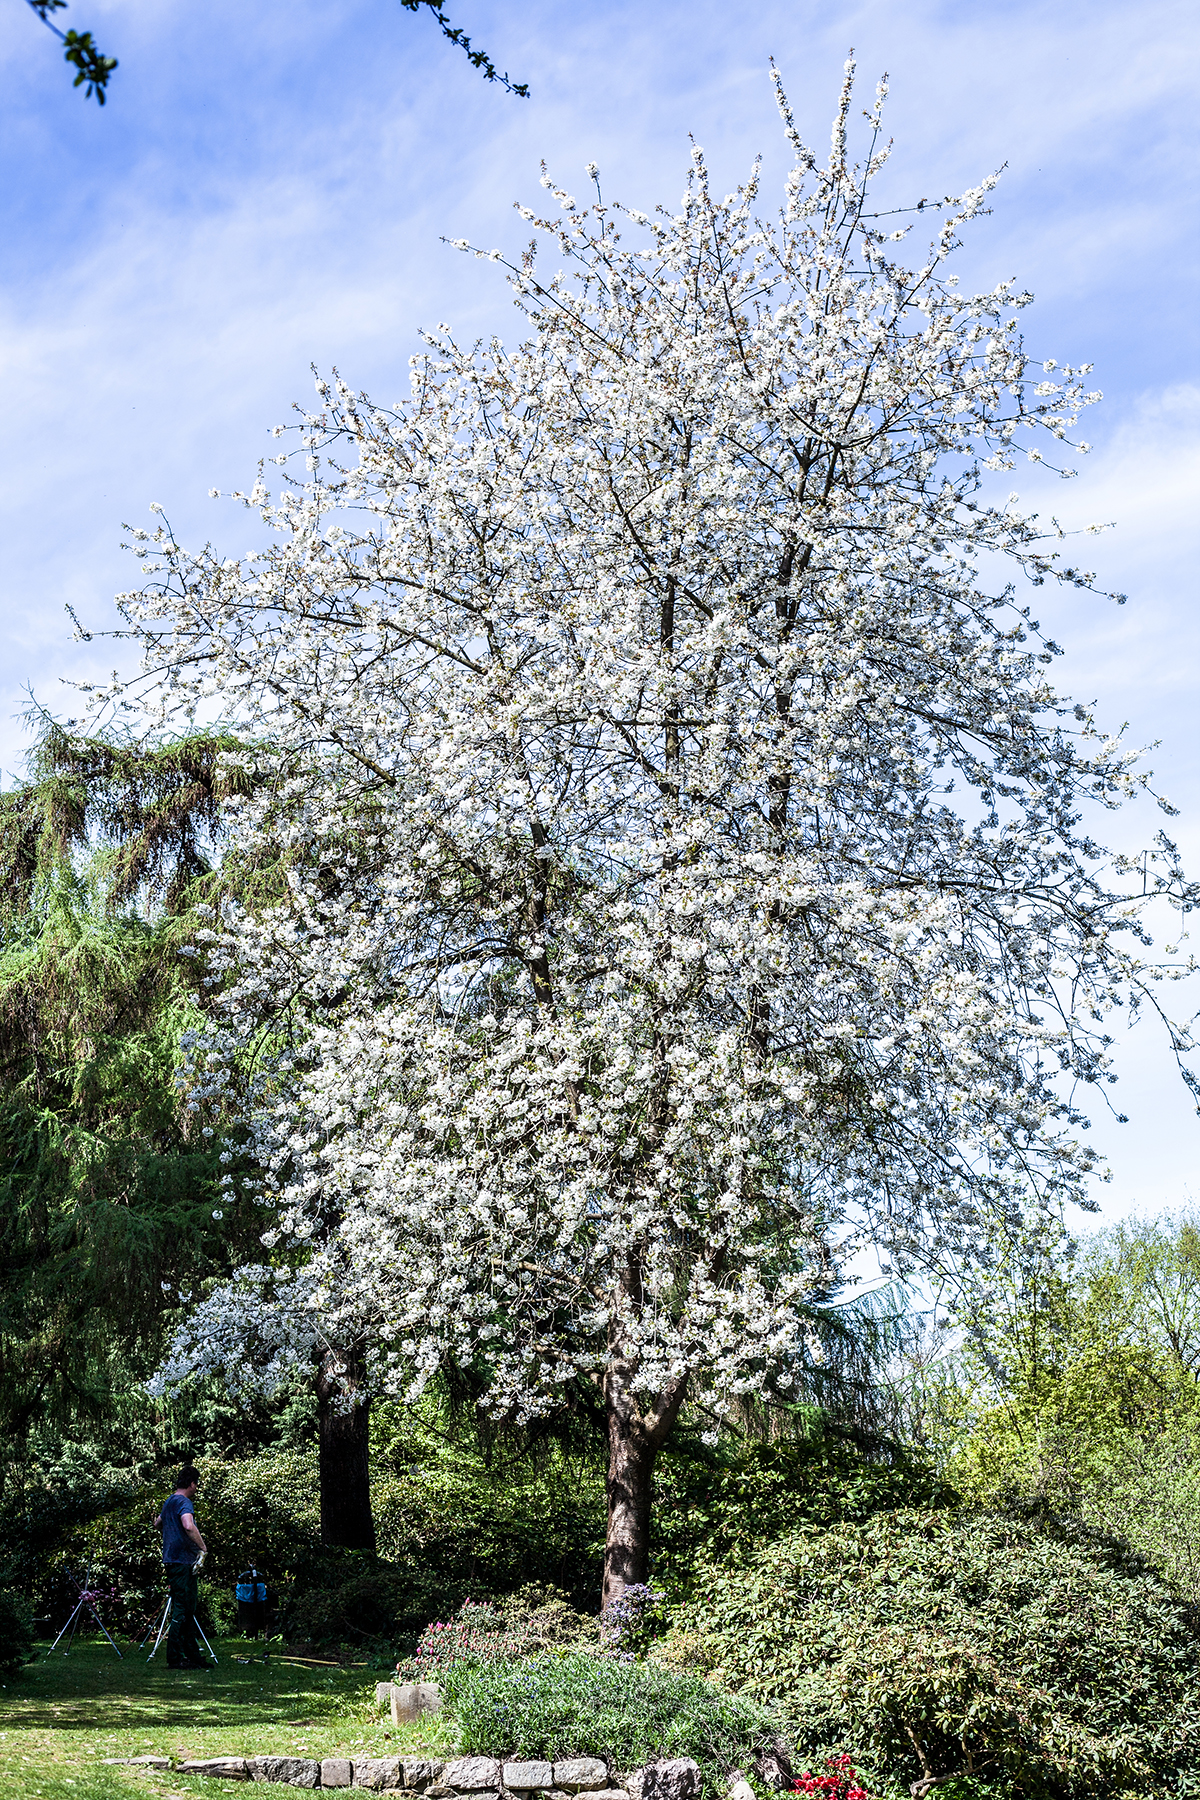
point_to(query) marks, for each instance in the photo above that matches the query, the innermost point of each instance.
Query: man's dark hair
(186, 1476)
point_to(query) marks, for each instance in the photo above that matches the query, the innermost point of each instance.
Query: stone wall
(463, 1777)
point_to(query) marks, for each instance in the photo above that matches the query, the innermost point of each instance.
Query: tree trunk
(344, 1456)
(634, 1441)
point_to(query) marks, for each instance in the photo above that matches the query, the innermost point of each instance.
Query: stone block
(295, 1771)
(437, 1790)
(383, 1693)
(581, 1774)
(420, 1771)
(524, 1776)
(377, 1772)
(231, 1768)
(472, 1775)
(675, 1778)
(412, 1698)
(336, 1771)
(774, 1765)
(613, 1793)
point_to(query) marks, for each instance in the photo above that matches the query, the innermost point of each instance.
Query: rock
(675, 1778)
(585, 1773)
(524, 1776)
(741, 1790)
(377, 1772)
(383, 1692)
(138, 1762)
(296, 1771)
(438, 1790)
(232, 1768)
(472, 1774)
(336, 1771)
(608, 1794)
(419, 1771)
(412, 1698)
(775, 1766)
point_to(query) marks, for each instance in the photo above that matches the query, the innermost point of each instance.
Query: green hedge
(16, 1632)
(1027, 1647)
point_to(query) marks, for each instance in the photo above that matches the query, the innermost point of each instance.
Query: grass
(60, 1719)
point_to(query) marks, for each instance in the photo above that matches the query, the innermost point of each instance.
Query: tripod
(87, 1598)
(162, 1629)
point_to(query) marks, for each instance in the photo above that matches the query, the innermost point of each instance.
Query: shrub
(533, 1621)
(1019, 1648)
(485, 1524)
(16, 1632)
(374, 1602)
(589, 1705)
(719, 1503)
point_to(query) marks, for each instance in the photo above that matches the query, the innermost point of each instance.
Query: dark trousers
(182, 1646)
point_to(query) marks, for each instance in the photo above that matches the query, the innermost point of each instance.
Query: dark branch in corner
(478, 59)
(80, 49)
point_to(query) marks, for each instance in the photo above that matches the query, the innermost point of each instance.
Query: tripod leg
(70, 1622)
(103, 1627)
(161, 1631)
(207, 1645)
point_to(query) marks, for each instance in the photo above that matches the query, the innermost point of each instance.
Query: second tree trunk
(344, 1455)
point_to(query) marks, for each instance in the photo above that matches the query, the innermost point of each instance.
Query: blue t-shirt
(177, 1545)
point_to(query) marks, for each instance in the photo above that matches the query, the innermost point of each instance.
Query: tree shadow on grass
(90, 1688)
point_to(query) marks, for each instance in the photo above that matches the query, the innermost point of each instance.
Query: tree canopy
(693, 867)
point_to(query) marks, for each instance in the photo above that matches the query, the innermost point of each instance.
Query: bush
(534, 1621)
(484, 1523)
(16, 1632)
(1019, 1648)
(589, 1705)
(719, 1503)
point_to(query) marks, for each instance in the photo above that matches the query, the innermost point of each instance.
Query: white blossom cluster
(684, 853)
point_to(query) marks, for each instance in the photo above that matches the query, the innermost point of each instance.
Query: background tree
(115, 1215)
(109, 1178)
(1076, 1385)
(723, 887)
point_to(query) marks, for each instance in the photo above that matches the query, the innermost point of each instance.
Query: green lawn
(60, 1719)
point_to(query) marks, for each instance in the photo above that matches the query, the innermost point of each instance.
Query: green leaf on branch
(79, 49)
(93, 68)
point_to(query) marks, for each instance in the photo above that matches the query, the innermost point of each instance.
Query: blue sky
(268, 186)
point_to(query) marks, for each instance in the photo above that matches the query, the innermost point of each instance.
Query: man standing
(183, 1550)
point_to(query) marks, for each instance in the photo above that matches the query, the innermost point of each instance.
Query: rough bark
(344, 1448)
(635, 1437)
